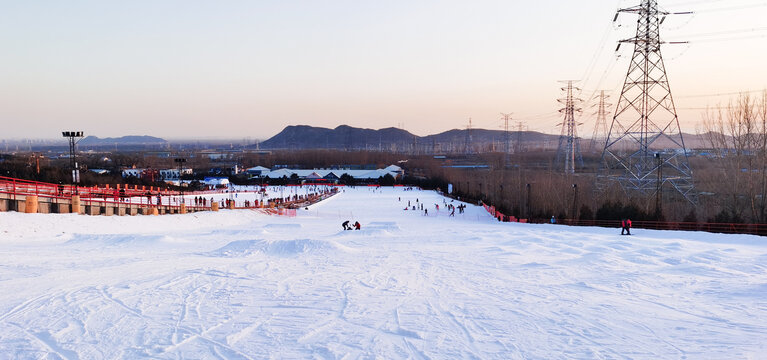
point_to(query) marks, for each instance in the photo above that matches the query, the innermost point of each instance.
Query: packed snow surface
(243, 284)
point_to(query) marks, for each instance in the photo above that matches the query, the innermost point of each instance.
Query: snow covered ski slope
(241, 284)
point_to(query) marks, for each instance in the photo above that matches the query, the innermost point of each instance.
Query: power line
(602, 43)
(722, 94)
(731, 8)
(694, 2)
(727, 32)
(731, 38)
(540, 116)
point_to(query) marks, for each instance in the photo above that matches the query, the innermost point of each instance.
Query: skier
(626, 227)
(452, 213)
(357, 225)
(426, 212)
(553, 220)
(346, 225)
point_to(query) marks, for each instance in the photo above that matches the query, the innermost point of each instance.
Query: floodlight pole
(180, 162)
(73, 138)
(527, 206)
(574, 214)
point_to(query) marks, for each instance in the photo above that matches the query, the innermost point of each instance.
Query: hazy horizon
(192, 69)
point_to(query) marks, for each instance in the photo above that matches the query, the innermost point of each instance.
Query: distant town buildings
(170, 175)
(321, 174)
(326, 174)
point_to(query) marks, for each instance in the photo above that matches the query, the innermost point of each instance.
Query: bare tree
(738, 133)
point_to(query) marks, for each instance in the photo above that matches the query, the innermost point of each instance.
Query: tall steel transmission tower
(506, 133)
(645, 118)
(468, 147)
(600, 128)
(518, 143)
(568, 150)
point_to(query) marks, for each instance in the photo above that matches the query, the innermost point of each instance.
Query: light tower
(568, 151)
(73, 137)
(180, 162)
(645, 118)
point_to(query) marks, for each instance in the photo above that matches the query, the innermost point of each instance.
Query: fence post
(31, 204)
(76, 204)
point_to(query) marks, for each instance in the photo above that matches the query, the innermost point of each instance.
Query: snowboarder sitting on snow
(356, 225)
(626, 227)
(346, 225)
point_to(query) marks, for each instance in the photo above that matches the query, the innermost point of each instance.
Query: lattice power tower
(468, 149)
(600, 127)
(568, 151)
(644, 148)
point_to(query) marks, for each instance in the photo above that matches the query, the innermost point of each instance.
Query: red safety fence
(281, 212)
(727, 228)
(93, 195)
(143, 196)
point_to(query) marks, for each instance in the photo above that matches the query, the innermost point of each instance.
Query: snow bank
(285, 248)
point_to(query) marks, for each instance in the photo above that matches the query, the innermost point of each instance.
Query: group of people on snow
(419, 206)
(355, 226)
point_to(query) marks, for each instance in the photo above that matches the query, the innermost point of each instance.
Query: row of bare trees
(736, 175)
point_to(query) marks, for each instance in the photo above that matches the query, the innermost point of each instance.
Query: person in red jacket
(626, 227)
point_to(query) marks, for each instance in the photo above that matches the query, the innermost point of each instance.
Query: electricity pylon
(468, 145)
(506, 134)
(600, 128)
(568, 150)
(645, 118)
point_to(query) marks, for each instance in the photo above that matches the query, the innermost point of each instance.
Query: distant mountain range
(394, 139)
(124, 140)
(299, 137)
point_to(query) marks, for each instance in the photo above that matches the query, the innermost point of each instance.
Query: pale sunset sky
(235, 69)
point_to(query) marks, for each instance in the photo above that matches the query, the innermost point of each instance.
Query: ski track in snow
(243, 285)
